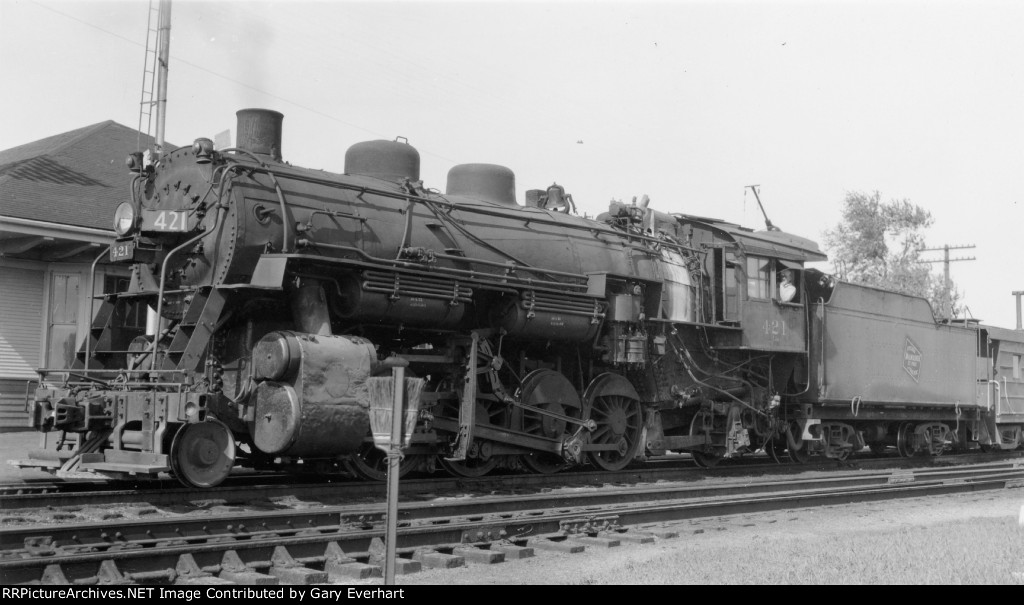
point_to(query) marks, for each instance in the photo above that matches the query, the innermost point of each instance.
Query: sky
(686, 102)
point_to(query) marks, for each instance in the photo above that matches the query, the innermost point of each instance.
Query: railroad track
(39, 495)
(339, 543)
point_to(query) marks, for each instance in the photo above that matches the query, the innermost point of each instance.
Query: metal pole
(163, 58)
(947, 285)
(947, 299)
(1018, 294)
(394, 461)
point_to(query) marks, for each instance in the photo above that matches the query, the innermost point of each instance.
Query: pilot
(787, 291)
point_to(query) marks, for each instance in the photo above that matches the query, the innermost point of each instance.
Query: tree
(878, 244)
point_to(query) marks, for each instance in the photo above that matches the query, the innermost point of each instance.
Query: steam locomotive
(543, 339)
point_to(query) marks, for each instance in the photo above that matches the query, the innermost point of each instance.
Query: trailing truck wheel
(796, 447)
(203, 454)
(705, 460)
(799, 455)
(371, 463)
(775, 448)
(710, 456)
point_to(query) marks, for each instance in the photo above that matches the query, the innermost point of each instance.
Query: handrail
(163, 271)
(92, 297)
(513, 267)
(467, 272)
(472, 209)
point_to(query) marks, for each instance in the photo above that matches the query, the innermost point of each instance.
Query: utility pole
(1018, 294)
(947, 297)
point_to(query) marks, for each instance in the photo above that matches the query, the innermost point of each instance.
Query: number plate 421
(164, 220)
(122, 251)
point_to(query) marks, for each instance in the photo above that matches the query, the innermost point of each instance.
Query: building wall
(21, 338)
(44, 317)
(22, 310)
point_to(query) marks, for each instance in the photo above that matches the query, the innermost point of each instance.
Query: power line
(234, 81)
(106, 31)
(947, 296)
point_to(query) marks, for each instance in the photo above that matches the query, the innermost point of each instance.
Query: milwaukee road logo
(912, 360)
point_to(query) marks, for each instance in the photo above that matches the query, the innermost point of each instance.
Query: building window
(1016, 367)
(63, 332)
(758, 277)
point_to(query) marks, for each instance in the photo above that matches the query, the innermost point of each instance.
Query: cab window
(788, 283)
(758, 277)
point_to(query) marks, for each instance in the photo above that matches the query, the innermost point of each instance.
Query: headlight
(124, 218)
(203, 149)
(134, 162)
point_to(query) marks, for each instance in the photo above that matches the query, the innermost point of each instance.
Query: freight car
(545, 339)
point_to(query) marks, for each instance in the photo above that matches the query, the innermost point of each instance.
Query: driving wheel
(546, 391)
(470, 467)
(619, 426)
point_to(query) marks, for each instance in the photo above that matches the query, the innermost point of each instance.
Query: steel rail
(103, 534)
(435, 540)
(39, 495)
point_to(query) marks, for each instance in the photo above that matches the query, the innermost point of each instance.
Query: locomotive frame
(545, 339)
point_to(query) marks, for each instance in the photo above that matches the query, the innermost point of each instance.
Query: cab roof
(776, 244)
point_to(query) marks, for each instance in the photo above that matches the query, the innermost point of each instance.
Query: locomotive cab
(757, 278)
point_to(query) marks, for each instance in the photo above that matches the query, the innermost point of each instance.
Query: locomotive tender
(545, 339)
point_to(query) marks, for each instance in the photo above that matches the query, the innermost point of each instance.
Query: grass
(977, 552)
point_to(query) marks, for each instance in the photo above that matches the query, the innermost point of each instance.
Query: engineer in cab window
(787, 291)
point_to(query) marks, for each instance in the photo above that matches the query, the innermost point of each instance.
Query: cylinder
(259, 131)
(276, 356)
(317, 404)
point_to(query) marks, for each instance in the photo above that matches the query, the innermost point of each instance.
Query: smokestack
(259, 131)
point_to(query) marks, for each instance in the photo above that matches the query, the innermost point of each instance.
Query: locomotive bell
(259, 131)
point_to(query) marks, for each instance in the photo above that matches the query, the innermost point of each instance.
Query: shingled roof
(75, 178)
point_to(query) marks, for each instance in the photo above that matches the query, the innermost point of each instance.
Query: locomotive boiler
(545, 339)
